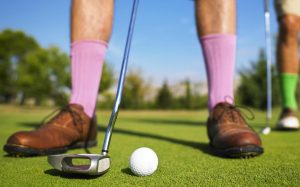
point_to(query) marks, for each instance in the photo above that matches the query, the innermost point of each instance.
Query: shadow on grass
(196, 145)
(127, 171)
(286, 130)
(169, 122)
(204, 147)
(33, 125)
(56, 173)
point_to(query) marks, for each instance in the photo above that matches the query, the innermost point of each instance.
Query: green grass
(179, 139)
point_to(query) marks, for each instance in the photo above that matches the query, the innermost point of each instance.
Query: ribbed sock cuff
(288, 86)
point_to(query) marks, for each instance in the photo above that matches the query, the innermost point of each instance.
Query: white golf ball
(143, 161)
(266, 130)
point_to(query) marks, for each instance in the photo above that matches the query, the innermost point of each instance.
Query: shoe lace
(238, 110)
(78, 121)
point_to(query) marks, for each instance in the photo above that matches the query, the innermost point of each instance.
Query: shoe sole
(23, 151)
(287, 129)
(248, 151)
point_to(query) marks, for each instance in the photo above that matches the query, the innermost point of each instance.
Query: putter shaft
(269, 60)
(115, 110)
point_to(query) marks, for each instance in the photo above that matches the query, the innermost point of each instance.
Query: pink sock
(219, 53)
(87, 58)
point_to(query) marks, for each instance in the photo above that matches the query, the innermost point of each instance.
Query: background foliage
(36, 75)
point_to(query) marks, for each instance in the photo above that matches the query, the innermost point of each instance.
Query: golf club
(99, 163)
(267, 128)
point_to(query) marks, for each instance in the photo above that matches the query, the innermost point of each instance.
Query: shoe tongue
(76, 107)
(222, 109)
(287, 112)
(223, 104)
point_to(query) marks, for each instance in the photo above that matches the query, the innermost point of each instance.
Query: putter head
(98, 164)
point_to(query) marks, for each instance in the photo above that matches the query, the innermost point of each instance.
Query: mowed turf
(180, 141)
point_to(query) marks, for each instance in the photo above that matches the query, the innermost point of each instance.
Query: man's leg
(216, 21)
(288, 68)
(228, 132)
(74, 126)
(91, 27)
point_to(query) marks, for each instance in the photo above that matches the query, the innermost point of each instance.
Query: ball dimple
(143, 161)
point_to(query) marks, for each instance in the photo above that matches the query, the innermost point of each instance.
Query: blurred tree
(14, 46)
(253, 88)
(134, 91)
(200, 101)
(187, 100)
(164, 99)
(44, 73)
(107, 79)
(191, 99)
(29, 71)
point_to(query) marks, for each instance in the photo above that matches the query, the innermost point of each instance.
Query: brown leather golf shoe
(70, 128)
(229, 134)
